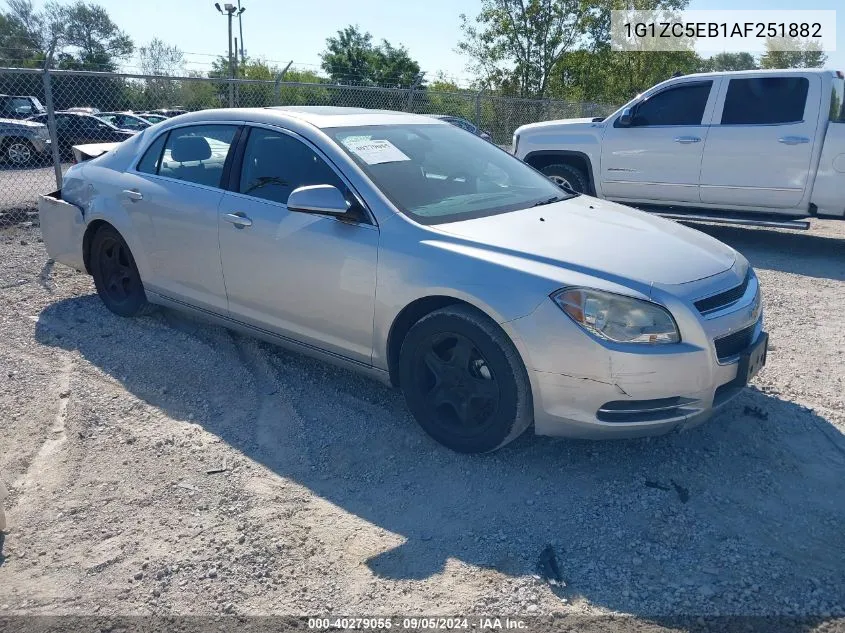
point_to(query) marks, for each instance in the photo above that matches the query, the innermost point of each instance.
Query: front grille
(733, 344)
(723, 299)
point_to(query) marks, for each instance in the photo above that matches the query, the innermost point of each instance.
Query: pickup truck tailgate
(62, 227)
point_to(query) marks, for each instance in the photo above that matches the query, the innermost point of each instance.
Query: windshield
(440, 173)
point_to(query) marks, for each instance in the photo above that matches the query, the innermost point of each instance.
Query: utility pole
(229, 10)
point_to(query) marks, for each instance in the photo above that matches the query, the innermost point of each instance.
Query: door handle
(239, 219)
(685, 140)
(133, 194)
(793, 140)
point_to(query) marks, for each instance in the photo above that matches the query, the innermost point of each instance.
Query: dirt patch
(161, 465)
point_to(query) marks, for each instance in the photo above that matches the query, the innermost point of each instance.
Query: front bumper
(41, 145)
(591, 390)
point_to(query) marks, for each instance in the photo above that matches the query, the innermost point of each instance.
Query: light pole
(241, 33)
(229, 10)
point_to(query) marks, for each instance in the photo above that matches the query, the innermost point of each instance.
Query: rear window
(837, 101)
(765, 100)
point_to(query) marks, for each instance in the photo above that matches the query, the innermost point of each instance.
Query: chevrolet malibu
(428, 258)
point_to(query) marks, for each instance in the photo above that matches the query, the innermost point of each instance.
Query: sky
(296, 30)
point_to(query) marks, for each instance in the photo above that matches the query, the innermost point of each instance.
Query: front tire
(116, 276)
(19, 152)
(464, 381)
(567, 176)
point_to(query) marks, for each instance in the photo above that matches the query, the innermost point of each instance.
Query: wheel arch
(88, 239)
(581, 160)
(419, 308)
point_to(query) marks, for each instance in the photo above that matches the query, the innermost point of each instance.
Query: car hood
(596, 236)
(567, 123)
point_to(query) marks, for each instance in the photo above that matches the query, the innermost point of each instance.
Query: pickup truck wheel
(464, 381)
(567, 176)
(116, 276)
(18, 152)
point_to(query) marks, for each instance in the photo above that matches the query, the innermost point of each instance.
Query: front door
(658, 156)
(308, 277)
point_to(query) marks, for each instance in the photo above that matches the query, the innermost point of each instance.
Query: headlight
(616, 317)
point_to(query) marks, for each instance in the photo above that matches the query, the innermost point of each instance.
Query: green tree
(28, 36)
(730, 61)
(513, 45)
(97, 43)
(351, 57)
(160, 58)
(76, 36)
(806, 54)
(595, 72)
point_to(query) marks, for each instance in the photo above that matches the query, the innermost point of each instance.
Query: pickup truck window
(765, 100)
(680, 105)
(837, 101)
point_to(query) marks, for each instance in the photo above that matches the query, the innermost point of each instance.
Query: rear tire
(567, 176)
(464, 381)
(116, 276)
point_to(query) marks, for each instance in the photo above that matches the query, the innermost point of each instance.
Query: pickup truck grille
(723, 299)
(733, 344)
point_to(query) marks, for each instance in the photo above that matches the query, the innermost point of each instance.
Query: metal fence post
(279, 80)
(414, 86)
(51, 124)
(478, 108)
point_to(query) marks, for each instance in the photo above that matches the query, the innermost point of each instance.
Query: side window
(681, 105)
(837, 101)
(765, 100)
(275, 164)
(197, 153)
(152, 157)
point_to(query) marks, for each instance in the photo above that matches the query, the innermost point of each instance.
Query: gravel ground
(334, 501)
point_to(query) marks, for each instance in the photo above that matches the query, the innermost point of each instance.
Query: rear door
(658, 156)
(759, 149)
(172, 196)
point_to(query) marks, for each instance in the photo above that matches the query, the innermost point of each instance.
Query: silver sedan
(404, 248)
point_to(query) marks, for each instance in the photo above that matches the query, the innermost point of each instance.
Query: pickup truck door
(760, 146)
(658, 156)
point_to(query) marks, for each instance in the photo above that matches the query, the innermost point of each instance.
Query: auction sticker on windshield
(375, 152)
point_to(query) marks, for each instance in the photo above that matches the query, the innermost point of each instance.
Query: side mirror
(323, 199)
(626, 118)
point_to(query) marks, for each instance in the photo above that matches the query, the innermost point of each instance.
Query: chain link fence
(36, 135)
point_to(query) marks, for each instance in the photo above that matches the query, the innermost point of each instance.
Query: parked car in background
(73, 128)
(83, 110)
(752, 142)
(23, 142)
(152, 118)
(124, 120)
(167, 112)
(464, 125)
(403, 248)
(19, 106)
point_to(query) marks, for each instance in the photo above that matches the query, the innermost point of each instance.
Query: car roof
(316, 116)
(761, 72)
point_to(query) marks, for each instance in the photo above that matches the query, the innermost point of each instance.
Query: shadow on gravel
(793, 252)
(740, 515)
(2, 542)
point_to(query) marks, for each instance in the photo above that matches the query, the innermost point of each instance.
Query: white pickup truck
(765, 143)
